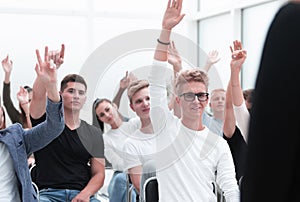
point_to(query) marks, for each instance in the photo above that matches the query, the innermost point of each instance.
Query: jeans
(58, 195)
(117, 188)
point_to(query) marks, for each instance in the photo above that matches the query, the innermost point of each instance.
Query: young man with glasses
(189, 158)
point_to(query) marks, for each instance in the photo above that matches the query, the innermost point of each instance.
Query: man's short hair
(189, 75)
(136, 86)
(72, 78)
(217, 90)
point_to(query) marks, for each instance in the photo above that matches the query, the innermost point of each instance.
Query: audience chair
(150, 188)
(32, 170)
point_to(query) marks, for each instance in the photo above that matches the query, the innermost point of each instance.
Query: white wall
(84, 26)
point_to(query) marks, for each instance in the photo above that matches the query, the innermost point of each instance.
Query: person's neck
(146, 126)
(193, 123)
(116, 124)
(219, 115)
(72, 119)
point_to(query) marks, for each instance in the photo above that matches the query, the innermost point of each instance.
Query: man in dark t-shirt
(72, 166)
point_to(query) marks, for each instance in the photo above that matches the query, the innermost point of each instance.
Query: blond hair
(189, 75)
(136, 86)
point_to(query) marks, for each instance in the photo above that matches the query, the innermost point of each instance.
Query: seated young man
(140, 145)
(72, 166)
(190, 158)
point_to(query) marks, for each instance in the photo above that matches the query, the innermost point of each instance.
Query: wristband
(163, 43)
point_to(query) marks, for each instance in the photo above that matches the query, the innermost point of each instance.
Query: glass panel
(215, 34)
(256, 22)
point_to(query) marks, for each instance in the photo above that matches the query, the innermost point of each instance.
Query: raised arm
(45, 132)
(12, 112)
(124, 82)
(238, 58)
(241, 113)
(171, 18)
(229, 119)
(38, 102)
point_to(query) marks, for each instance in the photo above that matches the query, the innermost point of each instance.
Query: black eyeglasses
(190, 97)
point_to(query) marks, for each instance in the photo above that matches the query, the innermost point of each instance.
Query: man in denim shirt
(16, 143)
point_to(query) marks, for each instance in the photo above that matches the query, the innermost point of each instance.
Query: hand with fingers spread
(172, 14)
(57, 56)
(212, 58)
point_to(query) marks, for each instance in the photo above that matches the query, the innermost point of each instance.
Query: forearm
(161, 51)
(236, 89)
(38, 102)
(52, 92)
(118, 96)
(136, 181)
(95, 183)
(12, 112)
(7, 77)
(97, 177)
(229, 120)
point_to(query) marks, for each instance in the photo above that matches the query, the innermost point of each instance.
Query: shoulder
(88, 127)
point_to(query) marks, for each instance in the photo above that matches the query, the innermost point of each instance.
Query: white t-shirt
(187, 161)
(114, 140)
(8, 181)
(140, 148)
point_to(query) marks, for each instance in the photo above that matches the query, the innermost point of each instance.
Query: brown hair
(72, 78)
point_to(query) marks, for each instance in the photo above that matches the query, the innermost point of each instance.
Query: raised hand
(212, 58)
(57, 56)
(174, 57)
(46, 70)
(172, 14)
(238, 55)
(7, 64)
(23, 99)
(124, 82)
(23, 96)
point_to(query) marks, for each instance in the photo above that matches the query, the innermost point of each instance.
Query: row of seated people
(182, 137)
(113, 138)
(130, 145)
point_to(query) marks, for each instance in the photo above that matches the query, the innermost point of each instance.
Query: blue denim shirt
(20, 143)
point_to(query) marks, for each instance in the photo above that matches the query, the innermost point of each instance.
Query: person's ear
(177, 100)
(131, 106)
